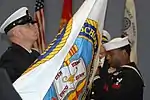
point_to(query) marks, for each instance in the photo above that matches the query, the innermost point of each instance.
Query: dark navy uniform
(97, 86)
(7, 91)
(16, 60)
(125, 83)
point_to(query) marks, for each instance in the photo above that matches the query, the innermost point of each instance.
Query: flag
(66, 13)
(130, 28)
(40, 44)
(63, 70)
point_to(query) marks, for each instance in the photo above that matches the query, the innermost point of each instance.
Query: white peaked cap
(116, 43)
(16, 15)
(106, 34)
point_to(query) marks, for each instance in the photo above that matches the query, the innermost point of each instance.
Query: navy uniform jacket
(94, 94)
(16, 60)
(124, 84)
(7, 91)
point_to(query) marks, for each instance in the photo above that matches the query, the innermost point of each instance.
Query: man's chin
(114, 66)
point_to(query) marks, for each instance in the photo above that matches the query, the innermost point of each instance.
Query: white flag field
(130, 27)
(63, 71)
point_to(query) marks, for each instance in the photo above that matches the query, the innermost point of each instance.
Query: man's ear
(17, 32)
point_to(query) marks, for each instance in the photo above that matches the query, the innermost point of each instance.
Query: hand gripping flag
(63, 70)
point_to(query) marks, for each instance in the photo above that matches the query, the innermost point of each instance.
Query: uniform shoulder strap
(131, 67)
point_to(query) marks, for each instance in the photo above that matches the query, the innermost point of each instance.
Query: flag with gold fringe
(64, 69)
(130, 27)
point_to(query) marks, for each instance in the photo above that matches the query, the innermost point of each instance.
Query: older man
(22, 32)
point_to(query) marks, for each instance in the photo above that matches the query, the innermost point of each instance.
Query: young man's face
(114, 58)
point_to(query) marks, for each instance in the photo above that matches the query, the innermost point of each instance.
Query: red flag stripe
(43, 28)
(40, 19)
(39, 39)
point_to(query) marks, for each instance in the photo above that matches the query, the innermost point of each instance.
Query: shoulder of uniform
(132, 72)
(8, 54)
(130, 69)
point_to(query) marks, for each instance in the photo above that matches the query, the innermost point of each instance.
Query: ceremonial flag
(63, 70)
(130, 27)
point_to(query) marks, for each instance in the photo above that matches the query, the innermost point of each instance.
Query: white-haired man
(22, 32)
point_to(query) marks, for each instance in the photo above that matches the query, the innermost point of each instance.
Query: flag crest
(63, 71)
